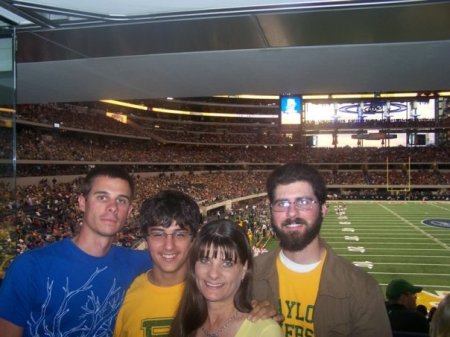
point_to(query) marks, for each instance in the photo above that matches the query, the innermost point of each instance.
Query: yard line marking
(439, 242)
(411, 256)
(440, 207)
(374, 243)
(421, 274)
(422, 285)
(359, 249)
(394, 234)
(413, 249)
(415, 264)
(363, 264)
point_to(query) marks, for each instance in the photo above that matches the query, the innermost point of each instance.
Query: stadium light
(211, 114)
(7, 110)
(313, 97)
(269, 97)
(125, 104)
(352, 96)
(398, 95)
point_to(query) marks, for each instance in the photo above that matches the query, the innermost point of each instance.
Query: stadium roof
(88, 50)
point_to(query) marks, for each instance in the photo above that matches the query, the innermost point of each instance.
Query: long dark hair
(229, 238)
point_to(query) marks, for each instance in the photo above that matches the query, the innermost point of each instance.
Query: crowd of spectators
(225, 137)
(76, 117)
(204, 132)
(47, 211)
(272, 127)
(204, 126)
(38, 214)
(53, 144)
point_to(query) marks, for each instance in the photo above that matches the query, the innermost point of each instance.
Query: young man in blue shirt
(76, 286)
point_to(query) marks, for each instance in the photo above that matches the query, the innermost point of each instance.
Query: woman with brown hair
(217, 295)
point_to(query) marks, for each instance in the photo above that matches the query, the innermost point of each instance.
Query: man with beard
(319, 293)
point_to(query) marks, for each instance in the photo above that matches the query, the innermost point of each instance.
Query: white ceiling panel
(367, 47)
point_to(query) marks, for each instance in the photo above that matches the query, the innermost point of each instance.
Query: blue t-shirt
(60, 290)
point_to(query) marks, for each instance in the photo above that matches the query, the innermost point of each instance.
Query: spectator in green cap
(401, 307)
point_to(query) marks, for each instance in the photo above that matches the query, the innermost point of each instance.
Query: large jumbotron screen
(316, 113)
(291, 109)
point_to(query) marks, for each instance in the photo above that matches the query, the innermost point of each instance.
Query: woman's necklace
(219, 331)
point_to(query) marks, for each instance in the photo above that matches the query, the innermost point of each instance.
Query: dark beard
(294, 241)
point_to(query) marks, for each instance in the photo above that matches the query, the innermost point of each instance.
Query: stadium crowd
(54, 144)
(46, 212)
(169, 130)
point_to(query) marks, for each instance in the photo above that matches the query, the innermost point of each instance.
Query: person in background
(402, 307)
(422, 309)
(216, 299)
(440, 323)
(319, 293)
(76, 286)
(431, 313)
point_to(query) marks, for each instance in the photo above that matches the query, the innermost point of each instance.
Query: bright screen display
(290, 110)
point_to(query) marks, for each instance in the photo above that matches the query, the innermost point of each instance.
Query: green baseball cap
(399, 286)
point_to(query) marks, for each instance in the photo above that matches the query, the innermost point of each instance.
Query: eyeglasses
(302, 204)
(160, 235)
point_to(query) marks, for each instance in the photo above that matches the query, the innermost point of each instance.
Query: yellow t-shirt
(147, 310)
(260, 328)
(298, 293)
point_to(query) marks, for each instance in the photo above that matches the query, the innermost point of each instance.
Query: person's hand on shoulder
(264, 310)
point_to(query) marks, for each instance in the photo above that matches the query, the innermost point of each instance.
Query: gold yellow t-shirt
(260, 328)
(147, 310)
(298, 293)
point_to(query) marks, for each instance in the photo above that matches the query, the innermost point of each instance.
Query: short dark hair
(168, 206)
(106, 171)
(293, 172)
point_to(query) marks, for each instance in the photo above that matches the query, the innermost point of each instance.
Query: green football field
(389, 240)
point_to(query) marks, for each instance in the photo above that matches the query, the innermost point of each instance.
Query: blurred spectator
(431, 313)
(422, 309)
(401, 307)
(440, 324)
